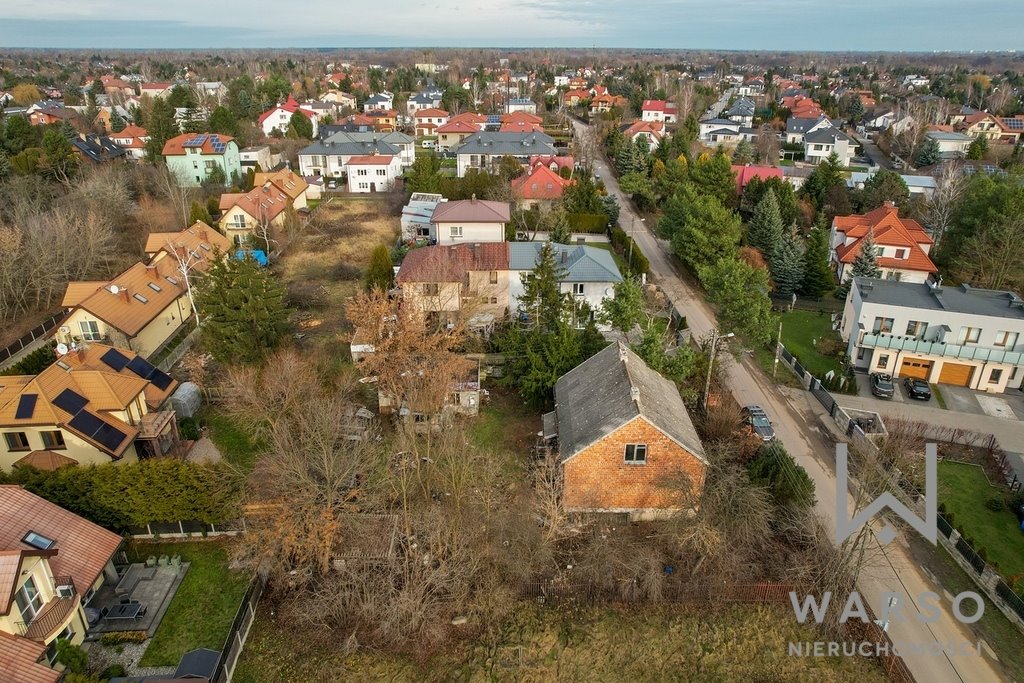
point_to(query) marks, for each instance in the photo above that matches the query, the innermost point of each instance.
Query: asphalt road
(889, 568)
(871, 151)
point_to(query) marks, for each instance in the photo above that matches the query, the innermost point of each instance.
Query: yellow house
(289, 182)
(468, 279)
(254, 212)
(199, 242)
(93, 406)
(139, 310)
(51, 564)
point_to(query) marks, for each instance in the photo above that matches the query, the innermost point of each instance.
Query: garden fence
(36, 334)
(235, 642)
(675, 592)
(185, 529)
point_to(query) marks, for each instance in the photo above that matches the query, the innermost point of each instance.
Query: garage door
(914, 367)
(956, 373)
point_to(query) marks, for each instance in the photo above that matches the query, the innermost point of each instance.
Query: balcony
(923, 347)
(51, 618)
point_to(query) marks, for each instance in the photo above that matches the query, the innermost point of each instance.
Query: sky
(819, 25)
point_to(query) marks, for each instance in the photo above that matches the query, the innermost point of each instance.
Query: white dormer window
(139, 297)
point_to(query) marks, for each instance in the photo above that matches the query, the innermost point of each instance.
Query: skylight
(38, 541)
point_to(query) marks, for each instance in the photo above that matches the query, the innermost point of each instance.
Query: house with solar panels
(193, 156)
(97, 404)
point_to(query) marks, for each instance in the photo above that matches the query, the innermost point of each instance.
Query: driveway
(871, 151)
(958, 400)
(889, 568)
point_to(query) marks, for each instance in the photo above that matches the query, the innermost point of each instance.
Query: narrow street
(890, 568)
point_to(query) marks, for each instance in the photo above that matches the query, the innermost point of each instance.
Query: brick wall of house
(598, 478)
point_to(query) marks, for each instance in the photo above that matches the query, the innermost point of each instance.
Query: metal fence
(679, 592)
(235, 642)
(185, 529)
(40, 332)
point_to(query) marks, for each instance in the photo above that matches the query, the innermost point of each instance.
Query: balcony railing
(896, 342)
(54, 613)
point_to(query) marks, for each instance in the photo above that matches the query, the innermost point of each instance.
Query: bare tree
(179, 197)
(187, 263)
(949, 189)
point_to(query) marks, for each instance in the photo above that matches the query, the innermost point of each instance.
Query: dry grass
(325, 264)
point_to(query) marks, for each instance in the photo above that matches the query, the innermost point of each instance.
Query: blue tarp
(257, 255)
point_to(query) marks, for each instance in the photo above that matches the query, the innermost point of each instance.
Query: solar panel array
(115, 359)
(146, 370)
(1014, 124)
(70, 402)
(26, 406)
(86, 423)
(197, 141)
(218, 145)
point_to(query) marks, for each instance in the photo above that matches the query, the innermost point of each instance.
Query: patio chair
(151, 561)
(163, 561)
(125, 599)
(176, 561)
(142, 613)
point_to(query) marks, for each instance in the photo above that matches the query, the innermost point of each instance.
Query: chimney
(151, 271)
(124, 294)
(473, 197)
(204, 236)
(622, 352)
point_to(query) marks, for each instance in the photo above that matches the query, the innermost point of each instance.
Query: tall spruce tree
(787, 264)
(864, 265)
(161, 127)
(542, 299)
(242, 309)
(765, 228)
(818, 279)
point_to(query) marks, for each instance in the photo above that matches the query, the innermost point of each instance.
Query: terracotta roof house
(92, 406)
(658, 110)
(542, 187)
(199, 241)
(520, 127)
(245, 214)
(140, 309)
(624, 439)
(574, 97)
(744, 174)
(603, 103)
(902, 244)
(279, 117)
(132, 140)
(470, 221)
(981, 124)
(51, 563)
(429, 119)
(373, 172)
(460, 278)
(193, 156)
(554, 162)
(455, 131)
(289, 182)
(652, 131)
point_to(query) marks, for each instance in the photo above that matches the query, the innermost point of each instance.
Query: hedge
(593, 223)
(135, 494)
(35, 362)
(635, 258)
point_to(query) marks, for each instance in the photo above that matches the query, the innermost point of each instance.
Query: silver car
(755, 418)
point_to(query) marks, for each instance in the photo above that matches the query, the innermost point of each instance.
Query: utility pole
(778, 347)
(711, 364)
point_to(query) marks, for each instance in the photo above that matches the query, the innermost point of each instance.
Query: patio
(148, 589)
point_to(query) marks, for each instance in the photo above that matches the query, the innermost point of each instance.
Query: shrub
(996, 504)
(983, 553)
(942, 510)
(188, 428)
(594, 223)
(74, 658)
(788, 482)
(118, 637)
(35, 362)
(305, 295)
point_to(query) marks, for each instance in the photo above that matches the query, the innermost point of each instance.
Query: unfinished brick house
(624, 438)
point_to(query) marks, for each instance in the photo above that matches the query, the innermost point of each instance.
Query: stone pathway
(128, 657)
(203, 451)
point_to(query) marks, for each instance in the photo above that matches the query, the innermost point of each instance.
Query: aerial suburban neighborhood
(599, 362)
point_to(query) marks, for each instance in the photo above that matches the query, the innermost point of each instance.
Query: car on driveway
(917, 388)
(757, 420)
(882, 385)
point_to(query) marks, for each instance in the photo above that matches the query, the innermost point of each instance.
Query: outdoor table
(124, 611)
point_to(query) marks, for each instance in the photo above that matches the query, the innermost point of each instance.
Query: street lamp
(711, 362)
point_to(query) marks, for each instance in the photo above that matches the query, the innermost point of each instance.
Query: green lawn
(809, 336)
(964, 490)
(232, 442)
(201, 612)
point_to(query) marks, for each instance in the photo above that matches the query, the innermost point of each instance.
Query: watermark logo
(927, 527)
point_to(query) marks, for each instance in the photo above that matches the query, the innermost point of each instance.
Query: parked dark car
(917, 388)
(882, 385)
(755, 417)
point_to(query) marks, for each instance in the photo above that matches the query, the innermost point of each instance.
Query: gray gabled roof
(718, 122)
(609, 390)
(582, 263)
(344, 143)
(795, 125)
(963, 299)
(741, 107)
(514, 144)
(827, 136)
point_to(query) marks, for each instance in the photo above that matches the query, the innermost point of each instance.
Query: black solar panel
(70, 402)
(86, 423)
(108, 436)
(160, 379)
(115, 359)
(26, 406)
(141, 367)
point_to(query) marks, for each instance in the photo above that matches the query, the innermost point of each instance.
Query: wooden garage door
(955, 373)
(915, 367)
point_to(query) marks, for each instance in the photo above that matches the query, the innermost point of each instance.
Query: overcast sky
(914, 25)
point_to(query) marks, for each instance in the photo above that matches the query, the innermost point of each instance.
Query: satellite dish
(64, 329)
(114, 289)
(62, 349)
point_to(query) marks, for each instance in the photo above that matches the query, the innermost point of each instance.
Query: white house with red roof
(459, 127)
(902, 244)
(373, 172)
(280, 115)
(659, 110)
(541, 188)
(133, 139)
(652, 131)
(428, 120)
(555, 163)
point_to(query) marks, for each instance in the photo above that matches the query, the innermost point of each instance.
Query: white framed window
(635, 453)
(455, 231)
(90, 330)
(29, 600)
(916, 328)
(577, 289)
(969, 335)
(883, 360)
(882, 326)
(493, 277)
(1007, 339)
(238, 221)
(382, 172)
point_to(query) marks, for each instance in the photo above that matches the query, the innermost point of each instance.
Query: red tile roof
(521, 127)
(471, 211)
(442, 263)
(19, 659)
(83, 548)
(454, 126)
(542, 183)
(744, 174)
(659, 105)
(290, 105)
(548, 159)
(655, 128)
(431, 113)
(370, 160)
(889, 230)
(521, 117)
(176, 145)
